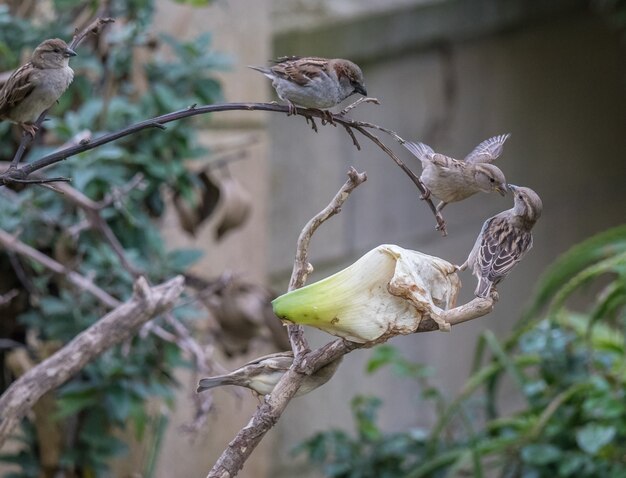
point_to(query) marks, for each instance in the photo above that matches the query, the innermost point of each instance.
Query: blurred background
(447, 73)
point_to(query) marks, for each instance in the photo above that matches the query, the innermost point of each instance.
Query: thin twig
(11, 175)
(301, 266)
(8, 297)
(11, 243)
(92, 211)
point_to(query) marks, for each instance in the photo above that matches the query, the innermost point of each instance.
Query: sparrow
(504, 240)
(451, 180)
(262, 374)
(314, 82)
(37, 85)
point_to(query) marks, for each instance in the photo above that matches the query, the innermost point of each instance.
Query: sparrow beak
(512, 187)
(360, 89)
(502, 189)
(69, 52)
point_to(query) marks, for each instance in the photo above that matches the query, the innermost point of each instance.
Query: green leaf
(540, 454)
(181, 259)
(601, 246)
(591, 438)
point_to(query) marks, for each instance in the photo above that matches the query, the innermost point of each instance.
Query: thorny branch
(20, 175)
(117, 326)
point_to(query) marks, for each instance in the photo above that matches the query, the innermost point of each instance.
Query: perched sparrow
(37, 85)
(314, 82)
(504, 239)
(262, 375)
(451, 180)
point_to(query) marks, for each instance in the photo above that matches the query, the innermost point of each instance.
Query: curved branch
(16, 174)
(301, 266)
(117, 326)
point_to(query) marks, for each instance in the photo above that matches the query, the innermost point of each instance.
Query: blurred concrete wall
(449, 74)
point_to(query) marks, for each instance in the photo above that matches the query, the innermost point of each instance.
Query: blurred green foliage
(110, 393)
(566, 416)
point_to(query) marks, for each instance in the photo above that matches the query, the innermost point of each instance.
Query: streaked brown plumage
(37, 85)
(504, 240)
(314, 82)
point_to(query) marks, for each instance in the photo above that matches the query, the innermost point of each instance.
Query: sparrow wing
(502, 247)
(300, 70)
(488, 150)
(421, 151)
(280, 361)
(19, 85)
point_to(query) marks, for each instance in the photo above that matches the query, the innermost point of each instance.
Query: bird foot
(292, 110)
(327, 116)
(29, 128)
(426, 194)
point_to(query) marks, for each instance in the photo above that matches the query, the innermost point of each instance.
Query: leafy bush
(568, 366)
(110, 393)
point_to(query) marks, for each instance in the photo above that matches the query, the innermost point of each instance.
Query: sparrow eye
(56, 50)
(492, 180)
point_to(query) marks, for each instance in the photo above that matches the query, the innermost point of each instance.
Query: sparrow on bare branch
(37, 85)
(314, 82)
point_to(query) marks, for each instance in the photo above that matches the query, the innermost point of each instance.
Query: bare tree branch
(301, 266)
(11, 243)
(14, 175)
(92, 211)
(266, 416)
(117, 326)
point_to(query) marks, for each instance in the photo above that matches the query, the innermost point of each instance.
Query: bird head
(350, 77)
(490, 178)
(528, 205)
(54, 53)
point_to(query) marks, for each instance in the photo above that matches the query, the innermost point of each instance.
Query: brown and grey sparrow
(37, 85)
(314, 82)
(451, 180)
(262, 375)
(504, 240)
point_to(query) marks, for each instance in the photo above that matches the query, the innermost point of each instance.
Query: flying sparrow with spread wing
(451, 180)
(262, 375)
(504, 240)
(37, 85)
(314, 82)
